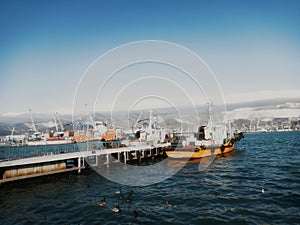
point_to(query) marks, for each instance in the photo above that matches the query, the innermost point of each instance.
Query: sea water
(259, 183)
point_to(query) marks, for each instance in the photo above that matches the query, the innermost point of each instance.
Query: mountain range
(263, 110)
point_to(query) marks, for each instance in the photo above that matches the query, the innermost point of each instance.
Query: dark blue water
(268, 161)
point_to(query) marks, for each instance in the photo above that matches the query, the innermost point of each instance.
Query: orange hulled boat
(193, 152)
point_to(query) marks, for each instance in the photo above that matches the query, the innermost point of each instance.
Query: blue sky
(45, 46)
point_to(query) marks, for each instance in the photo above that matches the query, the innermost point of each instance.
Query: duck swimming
(121, 196)
(102, 202)
(117, 209)
(129, 196)
(118, 192)
(168, 204)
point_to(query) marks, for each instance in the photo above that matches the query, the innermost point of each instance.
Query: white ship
(50, 138)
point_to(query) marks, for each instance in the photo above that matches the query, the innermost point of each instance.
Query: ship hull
(53, 142)
(198, 153)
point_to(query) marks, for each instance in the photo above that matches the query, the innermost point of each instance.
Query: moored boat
(48, 138)
(211, 140)
(193, 152)
(51, 141)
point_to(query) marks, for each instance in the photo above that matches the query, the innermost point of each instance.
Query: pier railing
(13, 152)
(20, 152)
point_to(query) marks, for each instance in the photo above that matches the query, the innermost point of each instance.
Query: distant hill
(286, 110)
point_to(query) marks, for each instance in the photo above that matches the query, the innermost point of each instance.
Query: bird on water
(117, 209)
(129, 196)
(118, 192)
(102, 202)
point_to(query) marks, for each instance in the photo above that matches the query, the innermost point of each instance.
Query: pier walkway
(57, 163)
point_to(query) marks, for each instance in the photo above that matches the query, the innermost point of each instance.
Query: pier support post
(79, 165)
(125, 160)
(119, 157)
(97, 160)
(107, 160)
(140, 158)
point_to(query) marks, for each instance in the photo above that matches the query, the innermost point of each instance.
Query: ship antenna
(210, 118)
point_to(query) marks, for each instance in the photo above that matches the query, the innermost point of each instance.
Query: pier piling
(107, 160)
(79, 165)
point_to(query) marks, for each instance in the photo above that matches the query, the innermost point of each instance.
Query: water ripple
(258, 184)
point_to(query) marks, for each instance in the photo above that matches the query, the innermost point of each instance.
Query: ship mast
(87, 128)
(210, 118)
(150, 122)
(210, 112)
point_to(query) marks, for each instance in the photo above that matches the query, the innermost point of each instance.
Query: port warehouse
(69, 158)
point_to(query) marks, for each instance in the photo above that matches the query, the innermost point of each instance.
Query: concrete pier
(58, 163)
